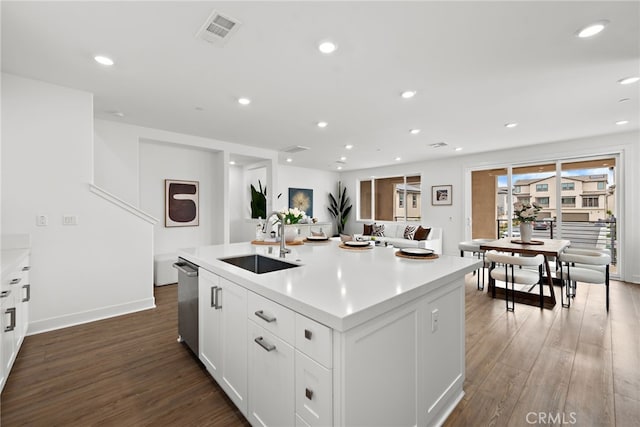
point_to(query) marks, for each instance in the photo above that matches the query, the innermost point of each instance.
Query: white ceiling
(475, 66)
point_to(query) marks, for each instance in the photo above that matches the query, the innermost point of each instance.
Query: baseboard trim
(66, 321)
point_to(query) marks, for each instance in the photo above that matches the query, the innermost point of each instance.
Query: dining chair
(473, 246)
(586, 266)
(509, 274)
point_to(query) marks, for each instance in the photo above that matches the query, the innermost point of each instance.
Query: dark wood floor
(130, 371)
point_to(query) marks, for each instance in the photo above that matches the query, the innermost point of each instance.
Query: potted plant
(339, 207)
(258, 201)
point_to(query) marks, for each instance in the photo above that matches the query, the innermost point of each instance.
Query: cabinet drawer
(300, 422)
(314, 340)
(313, 392)
(272, 316)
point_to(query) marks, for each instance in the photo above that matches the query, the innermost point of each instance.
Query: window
(384, 199)
(590, 201)
(543, 201)
(517, 189)
(542, 187)
(568, 201)
(567, 186)
(601, 185)
(524, 199)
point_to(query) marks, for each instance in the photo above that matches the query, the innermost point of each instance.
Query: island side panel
(396, 370)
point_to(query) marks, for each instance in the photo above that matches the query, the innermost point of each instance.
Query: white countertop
(11, 259)
(337, 287)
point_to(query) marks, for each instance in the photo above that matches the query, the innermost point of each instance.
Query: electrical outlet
(435, 319)
(42, 220)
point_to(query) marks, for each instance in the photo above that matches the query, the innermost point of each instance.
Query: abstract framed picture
(181, 204)
(302, 199)
(441, 195)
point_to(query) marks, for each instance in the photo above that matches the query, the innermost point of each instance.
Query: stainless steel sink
(258, 264)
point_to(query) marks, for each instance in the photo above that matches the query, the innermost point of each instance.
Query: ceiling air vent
(218, 28)
(294, 149)
(438, 145)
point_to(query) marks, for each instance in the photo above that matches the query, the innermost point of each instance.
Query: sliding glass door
(577, 199)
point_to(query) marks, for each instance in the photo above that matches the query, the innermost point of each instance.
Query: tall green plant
(259, 201)
(339, 207)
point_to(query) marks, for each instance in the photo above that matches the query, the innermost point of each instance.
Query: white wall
(103, 266)
(160, 161)
(321, 182)
(456, 171)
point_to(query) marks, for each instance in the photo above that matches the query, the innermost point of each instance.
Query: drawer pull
(28, 297)
(308, 393)
(308, 334)
(262, 343)
(268, 319)
(5, 294)
(26, 268)
(12, 326)
(15, 281)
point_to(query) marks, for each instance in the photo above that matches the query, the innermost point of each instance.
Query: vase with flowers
(526, 213)
(290, 217)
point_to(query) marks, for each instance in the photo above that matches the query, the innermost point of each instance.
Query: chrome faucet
(280, 215)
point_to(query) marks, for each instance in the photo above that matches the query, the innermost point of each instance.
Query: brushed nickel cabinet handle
(262, 343)
(218, 293)
(12, 326)
(28, 297)
(213, 296)
(308, 393)
(308, 334)
(15, 281)
(5, 294)
(266, 318)
(26, 268)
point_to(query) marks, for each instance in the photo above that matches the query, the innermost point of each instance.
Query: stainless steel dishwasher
(188, 303)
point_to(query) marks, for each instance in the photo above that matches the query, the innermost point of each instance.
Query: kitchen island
(347, 337)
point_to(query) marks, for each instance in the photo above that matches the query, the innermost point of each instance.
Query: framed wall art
(181, 204)
(441, 195)
(302, 199)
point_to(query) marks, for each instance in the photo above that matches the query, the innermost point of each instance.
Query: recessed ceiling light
(622, 122)
(510, 125)
(458, 148)
(414, 131)
(322, 124)
(231, 162)
(348, 147)
(628, 80)
(103, 60)
(339, 168)
(289, 160)
(244, 101)
(592, 29)
(397, 159)
(408, 94)
(343, 158)
(327, 47)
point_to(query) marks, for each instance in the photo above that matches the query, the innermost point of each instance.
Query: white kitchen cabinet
(271, 379)
(222, 334)
(14, 307)
(313, 392)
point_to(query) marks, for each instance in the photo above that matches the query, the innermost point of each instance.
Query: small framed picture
(441, 195)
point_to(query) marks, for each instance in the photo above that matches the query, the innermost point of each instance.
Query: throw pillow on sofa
(421, 233)
(378, 230)
(409, 231)
(368, 229)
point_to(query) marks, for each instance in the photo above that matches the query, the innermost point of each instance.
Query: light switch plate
(70, 220)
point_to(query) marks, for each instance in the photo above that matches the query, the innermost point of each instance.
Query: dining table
(548, 248)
